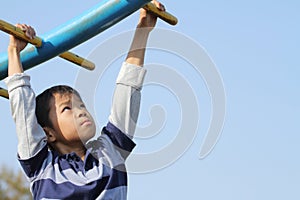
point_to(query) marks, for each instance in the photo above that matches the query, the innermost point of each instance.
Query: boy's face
(71, 121)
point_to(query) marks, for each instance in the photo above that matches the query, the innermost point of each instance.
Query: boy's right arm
(31, 137)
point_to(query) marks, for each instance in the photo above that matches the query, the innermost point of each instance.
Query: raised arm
(31, 137)
(126, 100)
(145, 25)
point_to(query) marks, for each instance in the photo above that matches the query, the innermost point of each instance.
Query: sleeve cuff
(17, 80)
(131, 75)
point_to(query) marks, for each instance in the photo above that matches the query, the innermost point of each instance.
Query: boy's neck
(79, 150)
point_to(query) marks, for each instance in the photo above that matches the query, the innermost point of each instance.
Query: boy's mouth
(86, 122)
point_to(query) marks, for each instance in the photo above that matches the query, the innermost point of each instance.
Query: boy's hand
(20, 44)
(148, 20)
(15, 47)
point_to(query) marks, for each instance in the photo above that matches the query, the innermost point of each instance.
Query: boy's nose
(81, 113)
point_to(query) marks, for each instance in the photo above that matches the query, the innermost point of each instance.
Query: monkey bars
(76, 31)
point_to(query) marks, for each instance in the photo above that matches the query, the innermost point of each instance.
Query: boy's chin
(87, 136)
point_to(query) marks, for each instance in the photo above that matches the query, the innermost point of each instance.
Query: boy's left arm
(126, 100)
(127, 95)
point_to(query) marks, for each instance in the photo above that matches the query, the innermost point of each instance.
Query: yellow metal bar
(17, 32)
(3, 93)
(77, 60)
(167, 17)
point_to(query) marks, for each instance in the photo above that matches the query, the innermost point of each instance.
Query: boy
(53, 129)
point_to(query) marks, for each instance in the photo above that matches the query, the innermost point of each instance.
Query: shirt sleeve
(112, 147)
(31, 136)
(126, 99)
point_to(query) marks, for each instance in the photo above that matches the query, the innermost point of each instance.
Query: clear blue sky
(255, 46)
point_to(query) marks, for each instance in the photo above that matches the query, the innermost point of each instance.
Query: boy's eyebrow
(64, 103)
(67, 102)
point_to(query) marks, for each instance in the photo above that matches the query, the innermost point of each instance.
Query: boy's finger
(33, 32)
(22, 27)
(28, 35)
(29, 31)
(159, 5)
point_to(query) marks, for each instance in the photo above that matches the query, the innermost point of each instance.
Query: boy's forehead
(59, 99)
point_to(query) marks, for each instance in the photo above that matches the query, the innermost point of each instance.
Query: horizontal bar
(71, 57)
(4, 93)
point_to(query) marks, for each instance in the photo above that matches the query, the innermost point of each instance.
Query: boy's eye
(82, 105)
(66, 108)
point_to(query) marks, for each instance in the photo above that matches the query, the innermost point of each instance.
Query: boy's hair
(42, 108)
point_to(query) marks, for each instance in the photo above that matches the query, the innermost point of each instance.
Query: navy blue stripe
(47, 188)
(119, 139)
(69, 161)
(118, 177)
(32, 165)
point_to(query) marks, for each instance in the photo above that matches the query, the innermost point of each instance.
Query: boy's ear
(50, 134)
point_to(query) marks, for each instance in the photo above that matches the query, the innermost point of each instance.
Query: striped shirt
(102, 174)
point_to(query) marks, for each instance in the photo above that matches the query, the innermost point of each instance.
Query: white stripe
(69, 175)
